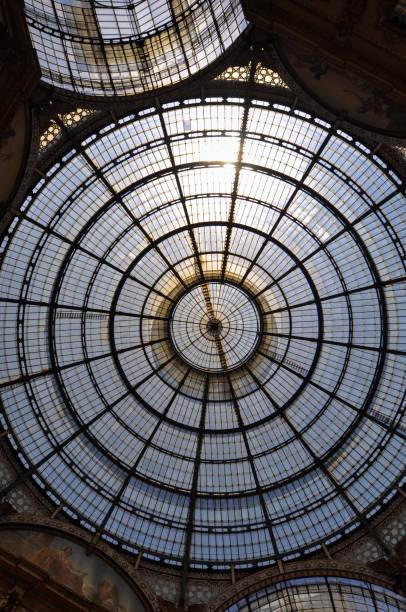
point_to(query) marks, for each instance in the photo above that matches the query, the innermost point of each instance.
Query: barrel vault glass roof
(114, 47)
(319, 593)
(203, 313)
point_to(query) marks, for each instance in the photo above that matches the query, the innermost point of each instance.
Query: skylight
(204, 329)
(112, 47)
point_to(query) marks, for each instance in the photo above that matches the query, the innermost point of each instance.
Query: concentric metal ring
(297, 440)
(107, 48)
(215, 327)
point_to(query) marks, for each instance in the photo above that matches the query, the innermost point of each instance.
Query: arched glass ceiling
(112, 47)
(328, 594)
(204, 330)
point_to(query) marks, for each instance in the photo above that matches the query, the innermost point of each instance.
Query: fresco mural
(341, 90)
(67, 563)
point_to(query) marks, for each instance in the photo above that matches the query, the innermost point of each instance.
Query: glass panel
(205, 335)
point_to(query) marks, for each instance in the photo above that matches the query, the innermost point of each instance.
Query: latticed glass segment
(112, 47)
(215, 327)
(328, 594)
(203, 316)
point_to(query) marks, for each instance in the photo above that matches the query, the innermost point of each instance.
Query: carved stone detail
(7, 470)
(10, 602)
(351, 15)
(25, 498)
(394, 566)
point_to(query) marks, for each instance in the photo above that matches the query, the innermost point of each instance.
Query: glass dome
(204, 329)
(327, 594)
(113, 47)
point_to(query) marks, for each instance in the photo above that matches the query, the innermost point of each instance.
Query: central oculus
(215, 326)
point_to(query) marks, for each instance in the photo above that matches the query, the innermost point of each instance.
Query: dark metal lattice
(327, 594)
(110, 48)
(190, 457)
(215, 327)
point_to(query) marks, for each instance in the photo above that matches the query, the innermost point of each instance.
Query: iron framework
(108, 48)
(297, 445)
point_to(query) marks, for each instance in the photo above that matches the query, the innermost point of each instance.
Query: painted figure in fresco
(43, 558)
(42, 549)
(63, 571)
(59, 566)
(108, 597)
(354, 95)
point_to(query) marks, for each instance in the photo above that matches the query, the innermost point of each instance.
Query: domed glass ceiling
(113, 47)
(204, 329)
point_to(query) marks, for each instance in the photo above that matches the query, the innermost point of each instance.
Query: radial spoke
(189, 352)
